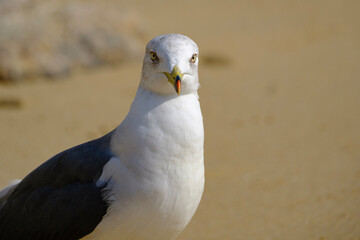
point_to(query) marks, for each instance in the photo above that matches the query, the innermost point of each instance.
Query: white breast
(157, 178)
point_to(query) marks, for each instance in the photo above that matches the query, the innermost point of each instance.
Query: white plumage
(156, 180)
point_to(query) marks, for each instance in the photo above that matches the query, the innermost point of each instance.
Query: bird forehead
(173, 44)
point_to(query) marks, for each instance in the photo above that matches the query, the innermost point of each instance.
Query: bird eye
(193, 58)
(153, 56)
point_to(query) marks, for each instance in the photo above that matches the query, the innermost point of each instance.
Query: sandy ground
(281, 105)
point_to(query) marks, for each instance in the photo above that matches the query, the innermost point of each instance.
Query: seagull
(142, 181)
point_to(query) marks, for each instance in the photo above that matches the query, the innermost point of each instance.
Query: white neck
(164, 124)
(159, 149)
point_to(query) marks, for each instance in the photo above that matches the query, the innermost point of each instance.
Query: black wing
(59, 199)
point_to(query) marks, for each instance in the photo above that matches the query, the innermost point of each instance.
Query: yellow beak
(175, 78)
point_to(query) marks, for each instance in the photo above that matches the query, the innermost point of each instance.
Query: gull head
(170, 65)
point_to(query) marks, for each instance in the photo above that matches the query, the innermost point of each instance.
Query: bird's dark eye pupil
(193, 58)
(153, 56)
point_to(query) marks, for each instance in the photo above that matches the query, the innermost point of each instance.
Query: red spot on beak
(178, 86)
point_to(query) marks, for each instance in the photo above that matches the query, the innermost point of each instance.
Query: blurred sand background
(280, 94)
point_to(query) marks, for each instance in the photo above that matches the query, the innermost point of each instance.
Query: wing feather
(59, 199)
